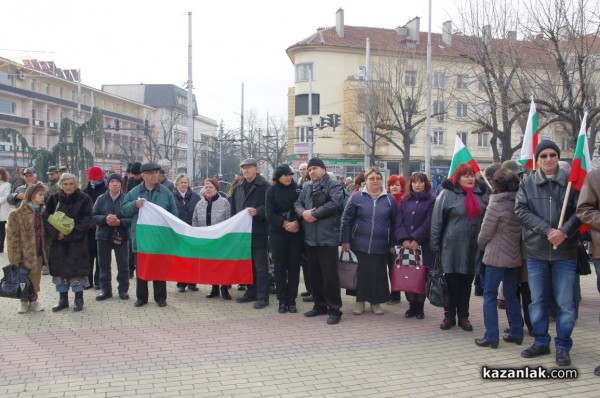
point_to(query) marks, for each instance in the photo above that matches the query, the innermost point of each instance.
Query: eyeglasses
(377, 178)
(546, 155)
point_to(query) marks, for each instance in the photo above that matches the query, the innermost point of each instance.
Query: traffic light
(336, 120)
(117, 124)
(330, 119)
(146, 127)
(324, 123)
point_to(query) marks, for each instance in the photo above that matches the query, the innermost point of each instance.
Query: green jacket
(160, 196)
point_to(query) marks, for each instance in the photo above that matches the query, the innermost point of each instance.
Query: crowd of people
(506, 229)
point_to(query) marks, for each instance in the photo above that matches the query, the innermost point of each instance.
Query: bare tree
(276, 142)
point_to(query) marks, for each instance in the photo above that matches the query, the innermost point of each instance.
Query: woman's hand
(60, 236)
(346, 247)
(406, 244)
(414, 245)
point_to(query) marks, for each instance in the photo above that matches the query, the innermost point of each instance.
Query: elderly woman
(500, 238)
(413, 225)
(210, 210)
(69, 260)
(25, 242)
(367, 228)
(455, 224)
(186, 201)
(285, 236)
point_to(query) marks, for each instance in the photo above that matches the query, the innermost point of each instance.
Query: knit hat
(128, 169)
(214, 182)
(545, 144)
(282, 170)
(136, 168)
(95, 173)
(316, 162)
(512, 166)
(115, 176)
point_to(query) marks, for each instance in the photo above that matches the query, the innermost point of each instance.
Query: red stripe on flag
(475, 166)
(161, 267)
(577, 176)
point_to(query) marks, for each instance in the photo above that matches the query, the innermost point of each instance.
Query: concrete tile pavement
(213, 348)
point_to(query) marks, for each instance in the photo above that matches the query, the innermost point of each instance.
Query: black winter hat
(282, 170)
(115, 176)
(128, 169)
(316, 162)
(545, 144)
(136, 168)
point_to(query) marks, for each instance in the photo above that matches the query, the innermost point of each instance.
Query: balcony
(14, 119)
(38, 123)
(53, 125)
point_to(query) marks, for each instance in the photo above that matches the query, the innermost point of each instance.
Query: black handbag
(16, 283)
(437, 288)
(583, 261)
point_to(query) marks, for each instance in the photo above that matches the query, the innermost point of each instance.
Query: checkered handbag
(408, 274)
(410, 257)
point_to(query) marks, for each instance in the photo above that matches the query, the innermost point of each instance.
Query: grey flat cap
(249, 162)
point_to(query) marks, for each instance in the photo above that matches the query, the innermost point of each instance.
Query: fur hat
(136, 168)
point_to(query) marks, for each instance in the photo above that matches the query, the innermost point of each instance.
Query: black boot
(420, 311)
(225, 293)
(412, 310)
(214, 292)
(78, 301)
(63, 302)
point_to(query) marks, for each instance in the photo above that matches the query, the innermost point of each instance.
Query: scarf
(471, 203)
(36, 208)
(94, 185)
(210, 201)
(398, 197)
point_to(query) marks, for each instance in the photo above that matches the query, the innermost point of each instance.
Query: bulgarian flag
(582, 163)
(461, 155)
(171, 250)
(530, 139)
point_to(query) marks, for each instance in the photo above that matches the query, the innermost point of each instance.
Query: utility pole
(311, 132)
(367, 135)
(428, 116)
(190, 115)
(242, 121)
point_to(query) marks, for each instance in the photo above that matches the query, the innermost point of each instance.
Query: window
(463, 137)
(60, 92)
(439, 108)
(34, 111)
(33, 85)
(302, 105)
(462, 82)
(461, 109)
(410, 78)
(484, 111)
(438, 79)
(483, 140)
(47, 88)
(438, 137)
(181, 100)
(8, 107)
(410, 107)
(481, 83)
(302, 72)
(303, 134)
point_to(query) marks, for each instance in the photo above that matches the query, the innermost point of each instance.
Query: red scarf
(398, 197)
(471, 203)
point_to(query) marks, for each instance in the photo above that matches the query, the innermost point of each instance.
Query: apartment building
(336, 65)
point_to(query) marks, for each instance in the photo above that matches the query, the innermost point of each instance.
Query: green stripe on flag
(152, 239)
(460, 157)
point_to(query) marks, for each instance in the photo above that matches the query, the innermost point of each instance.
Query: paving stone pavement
(198, 347)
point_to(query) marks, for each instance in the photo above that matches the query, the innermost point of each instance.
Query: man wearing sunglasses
(550, 251)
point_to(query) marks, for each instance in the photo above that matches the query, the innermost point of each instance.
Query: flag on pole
(530, 139)
(461, 155)
(171, 250)
(582, 162)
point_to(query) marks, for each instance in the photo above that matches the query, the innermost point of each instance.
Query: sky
(233, 42)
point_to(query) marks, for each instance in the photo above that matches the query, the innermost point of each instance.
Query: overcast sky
(234, 42)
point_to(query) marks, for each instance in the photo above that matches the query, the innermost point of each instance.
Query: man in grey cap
(249, 195)
(159, 195)
(17, 196)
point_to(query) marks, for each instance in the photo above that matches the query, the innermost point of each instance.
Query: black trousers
(287, 251)
(160, 290)
(305, 271)
(322, 264)
(132, 258)
(93, 275)
(105, 248)
(459, 290)
(259, 289)
(2, 235)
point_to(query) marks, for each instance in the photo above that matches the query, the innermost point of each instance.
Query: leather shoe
(465, 325)
(260, 304)
(563, 358)
(181, 289)
(308, 299)
(213, 293)
(485, 343)
(535, 351)
(314, 312)
(282, 308)
(305, 294)
(193, 288)
(225, 294)
(124, 296)
(103, 296)
(245, 299)
(140, 303)
(447, 323)
(292, 308)
(161, 303)
(511, 339)
(597, 371)
(333, 319)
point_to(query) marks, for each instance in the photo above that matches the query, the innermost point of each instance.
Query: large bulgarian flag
(582, 162)
(530, 138)
(461, 155)
(170, 250)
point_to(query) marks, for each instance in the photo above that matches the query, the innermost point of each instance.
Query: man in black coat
(96, 187)
(250, 195)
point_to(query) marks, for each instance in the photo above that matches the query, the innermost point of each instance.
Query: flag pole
(564, 209)
(486, 180)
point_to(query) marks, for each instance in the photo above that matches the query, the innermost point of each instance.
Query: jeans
(105, 248)
(597, 265)
(493, 277)
(563, 274)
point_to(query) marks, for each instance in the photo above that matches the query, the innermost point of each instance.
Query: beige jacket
(588, 208)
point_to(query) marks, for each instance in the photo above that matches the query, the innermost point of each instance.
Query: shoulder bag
(61, 221)
(347, 265)
(437, 287)
(16, 283)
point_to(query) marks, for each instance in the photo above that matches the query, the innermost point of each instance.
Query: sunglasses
(546, 155)
(374, 178)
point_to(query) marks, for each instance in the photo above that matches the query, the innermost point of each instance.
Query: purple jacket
(369, 225)
(413, 221)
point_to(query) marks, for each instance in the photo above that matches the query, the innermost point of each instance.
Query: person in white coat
(4, 206)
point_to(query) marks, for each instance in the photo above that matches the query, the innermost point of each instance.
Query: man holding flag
(550, 250)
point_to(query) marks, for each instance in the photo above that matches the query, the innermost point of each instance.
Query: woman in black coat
(69, 257)
(186, 201)
(285, 236)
